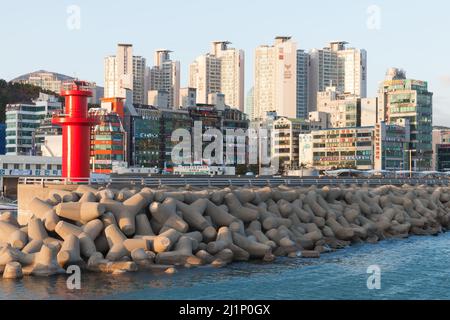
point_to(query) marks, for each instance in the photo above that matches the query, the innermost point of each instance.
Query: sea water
(414, 268)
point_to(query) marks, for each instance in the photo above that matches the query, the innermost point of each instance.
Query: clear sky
(408, 34)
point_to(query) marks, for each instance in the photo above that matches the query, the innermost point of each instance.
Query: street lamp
(410, 160)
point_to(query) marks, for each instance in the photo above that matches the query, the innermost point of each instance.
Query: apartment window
(27, 166)
(16, 166)
(49, 167)
(38, 167)
(5, 166)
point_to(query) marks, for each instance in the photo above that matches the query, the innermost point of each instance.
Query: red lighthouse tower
(76, 131)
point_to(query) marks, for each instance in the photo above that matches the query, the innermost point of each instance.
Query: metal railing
(226, 182)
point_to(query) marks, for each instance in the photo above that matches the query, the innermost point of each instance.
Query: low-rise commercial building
(344, 109)
(285, 140)
(108, 141)
(441, 137)
(391, 146)
(343, 148)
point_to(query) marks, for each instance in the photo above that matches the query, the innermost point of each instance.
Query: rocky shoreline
(118, 231)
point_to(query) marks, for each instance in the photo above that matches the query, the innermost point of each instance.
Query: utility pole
(410, 163)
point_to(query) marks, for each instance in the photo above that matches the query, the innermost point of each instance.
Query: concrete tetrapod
(44, 263)
(125, 213)
(87, 245)
(70, 252)
(193, 214)
(59, 196)
(224, 239)
(80, 211)
(143, 227)
(45, 212)
(236, 209)
(255, 249)
(13, 270)
(219, 217)
(116, 241)
(166, 215)
(165, 240)
(36, 231)
(181, 255)
(10, 218)
(12, 235)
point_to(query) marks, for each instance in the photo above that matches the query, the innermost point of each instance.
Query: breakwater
(117, 231)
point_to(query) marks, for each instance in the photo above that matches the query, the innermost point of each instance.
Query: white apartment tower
(220, 71)
(337, 66)
(231, 73)
(139, 66)
(204, 75)
(125, 71)
(165, 76)
(275, 73)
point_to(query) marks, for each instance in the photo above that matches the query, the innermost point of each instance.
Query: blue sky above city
(411, 34)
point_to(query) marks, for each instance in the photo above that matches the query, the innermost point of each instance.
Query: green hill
(17, 93)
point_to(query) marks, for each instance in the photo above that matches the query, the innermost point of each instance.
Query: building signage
(32, 173)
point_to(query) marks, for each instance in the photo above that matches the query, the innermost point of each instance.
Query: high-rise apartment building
(165, 76)
(139, 92)
(232, 64)
(220, 71)
(337, 66)
(275, 80)
(125, 72)
(204, 75)
(302, 83)
(402, 98)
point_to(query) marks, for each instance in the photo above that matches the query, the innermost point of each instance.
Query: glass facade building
(443, 158)
(147, 139)
(410, 99)
(391, 145)
(22, 120)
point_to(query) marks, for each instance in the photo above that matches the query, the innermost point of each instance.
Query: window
(16, 166)
(38, 167)
(5, 166)
(27, 166)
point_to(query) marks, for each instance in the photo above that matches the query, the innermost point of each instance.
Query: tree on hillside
(17, 93)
